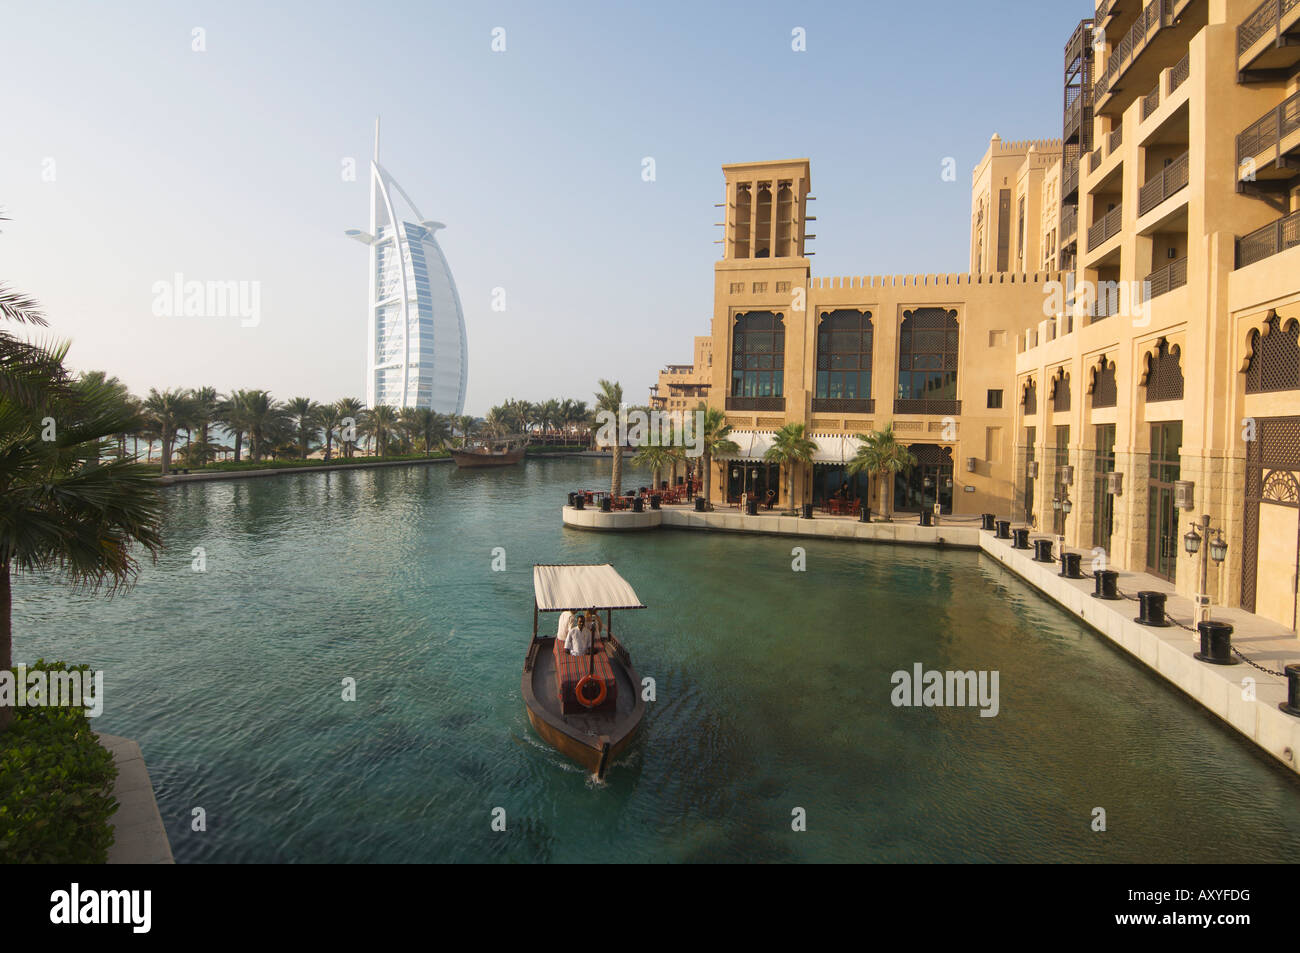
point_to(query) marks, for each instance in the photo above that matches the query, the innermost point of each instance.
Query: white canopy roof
(753, 444)
(556, 588)
(835, 448)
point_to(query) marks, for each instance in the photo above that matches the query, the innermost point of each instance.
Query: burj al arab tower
(416, 351)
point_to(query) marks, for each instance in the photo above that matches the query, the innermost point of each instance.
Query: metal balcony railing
(1115, 139)
(1268, 241)
(1103, 10)
(927, 405)
(1181, 71)
(1070, 180)
(1105, 228)
(1173, 275)
(1168, 181)
(1069, 224)
(1272, 128)
(1157, 16)
(1151, 102)
(844, 405)
(1265, 19)
(756, 403)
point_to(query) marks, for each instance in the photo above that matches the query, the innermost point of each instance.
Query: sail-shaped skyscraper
(416, 349)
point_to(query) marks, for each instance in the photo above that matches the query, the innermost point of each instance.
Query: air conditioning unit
(1184, 494)
(1115, 483)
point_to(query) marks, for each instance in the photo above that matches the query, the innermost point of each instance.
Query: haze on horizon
(131, 157)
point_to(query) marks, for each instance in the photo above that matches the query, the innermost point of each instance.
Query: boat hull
(591, 739)
(468, 460)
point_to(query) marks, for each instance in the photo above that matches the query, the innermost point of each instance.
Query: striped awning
(835, 448)
(556, 588)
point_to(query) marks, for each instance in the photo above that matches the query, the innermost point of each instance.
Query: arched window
(1030, 399)
(1104, 391)
(844, 343)
(1060, 391)
(927, 362)
(1274, 357)
(1164, 377)
(757, 362)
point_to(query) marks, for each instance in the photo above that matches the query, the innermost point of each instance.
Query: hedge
(56, 784)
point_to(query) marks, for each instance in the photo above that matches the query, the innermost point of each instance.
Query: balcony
(1173, 275)
(1069, 180)
(1169, 180)
(1269, 148)
(1150, 102)
(1114, 140)
(1069, 225)
(844, 405)
(1105, 228)
(1265, 242)
(1158, 29)
(756, 403)
(1180, 72)
(927, 405)
(1268, 41)
(1076, 114)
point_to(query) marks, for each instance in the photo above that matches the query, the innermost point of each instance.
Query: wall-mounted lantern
(1184, 494)
(970, 464)
(1115, 483)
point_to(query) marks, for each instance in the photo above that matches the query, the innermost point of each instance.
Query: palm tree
(791, 448)
(610, 399)
(499, 421)
(204, 405)
(655, 456)
(378, 423)
(305, 413)
(715, 439)
(428, 426)
(467, 425)
(349, 408)
(167, 410)
(119, 393)
(264, 417)
(62, 509)
(882, 455)
(328, 419)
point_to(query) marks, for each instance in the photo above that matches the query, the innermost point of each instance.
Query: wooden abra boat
(497, 454)
(588, 707)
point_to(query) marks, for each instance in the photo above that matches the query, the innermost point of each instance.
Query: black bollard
(699, 504)
(988, 520)
(1216, 643)
(751, 507)
(655, 500)
(1107, 584)
(864, 514)
(578, 501)
(927, 517)
(1022, 539)
(571, 498)
(606, 504)
(1070, 566)
(1043, 551)
(1292, 704)
(1151, 609)
(638, 505)
(807, 511)
(1004, 529)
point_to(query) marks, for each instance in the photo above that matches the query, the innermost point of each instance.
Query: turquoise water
(773, 693)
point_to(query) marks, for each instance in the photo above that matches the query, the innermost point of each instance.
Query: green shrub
(56, 785)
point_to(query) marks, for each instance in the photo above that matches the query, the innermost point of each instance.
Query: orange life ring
(582, 699)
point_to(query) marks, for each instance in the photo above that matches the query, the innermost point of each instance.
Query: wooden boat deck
(580, 735)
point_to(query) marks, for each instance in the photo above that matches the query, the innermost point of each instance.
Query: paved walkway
(138, 833)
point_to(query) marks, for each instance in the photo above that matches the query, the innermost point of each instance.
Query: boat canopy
(556, 588)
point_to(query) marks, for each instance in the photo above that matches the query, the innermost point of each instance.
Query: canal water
(773, 693)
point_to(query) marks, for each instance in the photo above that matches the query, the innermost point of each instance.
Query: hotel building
(417, 354)
(681, 387)
(1122, 357)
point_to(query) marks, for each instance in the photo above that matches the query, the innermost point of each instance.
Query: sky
(139, 141)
